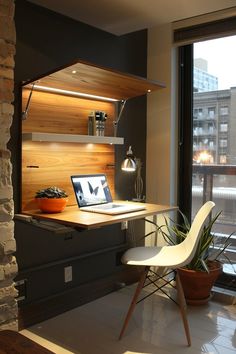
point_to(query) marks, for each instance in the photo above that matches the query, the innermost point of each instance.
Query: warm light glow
(149, 90)
(74, 72)
(73, 93)
(89, 146)
(54, 146)
(128, 169)
(204, 157)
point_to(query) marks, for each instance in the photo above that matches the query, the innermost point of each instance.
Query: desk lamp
(132, 164)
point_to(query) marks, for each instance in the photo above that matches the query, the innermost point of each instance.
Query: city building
(214, 126)
(202, 80)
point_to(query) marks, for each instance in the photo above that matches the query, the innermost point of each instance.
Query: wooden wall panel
(52, 164)
(54, 113)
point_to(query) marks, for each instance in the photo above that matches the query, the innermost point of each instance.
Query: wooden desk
(73, 217)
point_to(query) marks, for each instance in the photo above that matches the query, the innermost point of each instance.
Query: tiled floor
(155, 328)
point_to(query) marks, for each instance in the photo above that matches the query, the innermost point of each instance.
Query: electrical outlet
(124, 225)
(67, 274)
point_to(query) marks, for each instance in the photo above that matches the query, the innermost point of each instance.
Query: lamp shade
(129, 163)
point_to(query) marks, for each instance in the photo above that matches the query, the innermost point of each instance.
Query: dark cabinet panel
(37, 246)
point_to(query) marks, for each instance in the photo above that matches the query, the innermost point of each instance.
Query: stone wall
(8, 265)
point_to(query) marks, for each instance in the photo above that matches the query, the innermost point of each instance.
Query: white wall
(161, 118)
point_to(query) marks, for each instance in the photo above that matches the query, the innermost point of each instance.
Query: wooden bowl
(52, 205)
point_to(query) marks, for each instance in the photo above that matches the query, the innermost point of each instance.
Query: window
(223, 159)
(223, 127)
(224, 111)
(210, 128)
(198, 112)
(223, 143)
(211, 144)
(211, 112)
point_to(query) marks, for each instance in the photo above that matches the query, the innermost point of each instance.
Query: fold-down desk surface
(73, 217)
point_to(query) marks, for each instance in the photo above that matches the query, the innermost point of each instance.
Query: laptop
(93, 194)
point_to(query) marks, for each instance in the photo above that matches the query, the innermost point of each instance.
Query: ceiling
(124, 16)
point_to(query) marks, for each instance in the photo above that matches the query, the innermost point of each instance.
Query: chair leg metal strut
(142, 284)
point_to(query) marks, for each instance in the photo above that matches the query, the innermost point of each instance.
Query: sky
(221, 56)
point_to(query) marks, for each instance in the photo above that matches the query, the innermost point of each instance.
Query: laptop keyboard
(107, 206)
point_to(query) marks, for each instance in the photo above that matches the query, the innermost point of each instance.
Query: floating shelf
(72, 138)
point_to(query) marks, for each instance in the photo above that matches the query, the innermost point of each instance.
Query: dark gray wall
(46, 41)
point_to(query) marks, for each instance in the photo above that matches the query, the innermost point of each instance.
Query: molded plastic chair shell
(171, 256)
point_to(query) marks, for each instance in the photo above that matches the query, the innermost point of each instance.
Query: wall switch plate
(68, 274)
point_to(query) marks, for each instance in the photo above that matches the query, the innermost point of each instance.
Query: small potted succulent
(51, 199)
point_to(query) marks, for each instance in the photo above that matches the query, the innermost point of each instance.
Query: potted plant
(200, 274)
(51, 199)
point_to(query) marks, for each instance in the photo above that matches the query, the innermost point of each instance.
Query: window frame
(185, 144)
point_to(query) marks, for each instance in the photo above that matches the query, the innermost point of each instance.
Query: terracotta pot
(197, 285)
(52, 205)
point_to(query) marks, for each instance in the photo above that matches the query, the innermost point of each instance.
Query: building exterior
(202, 80)
(214, 127)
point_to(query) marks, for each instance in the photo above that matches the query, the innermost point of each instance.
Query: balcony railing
(204, 132)
(218, 183)
(207, 172)
(203, 117)
(200, 147)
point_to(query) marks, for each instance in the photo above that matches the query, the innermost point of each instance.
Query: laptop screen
(91, 189)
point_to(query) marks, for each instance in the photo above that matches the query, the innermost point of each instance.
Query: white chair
(169, 258)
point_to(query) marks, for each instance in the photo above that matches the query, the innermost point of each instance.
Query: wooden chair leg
(183, 307)
(134, 300)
